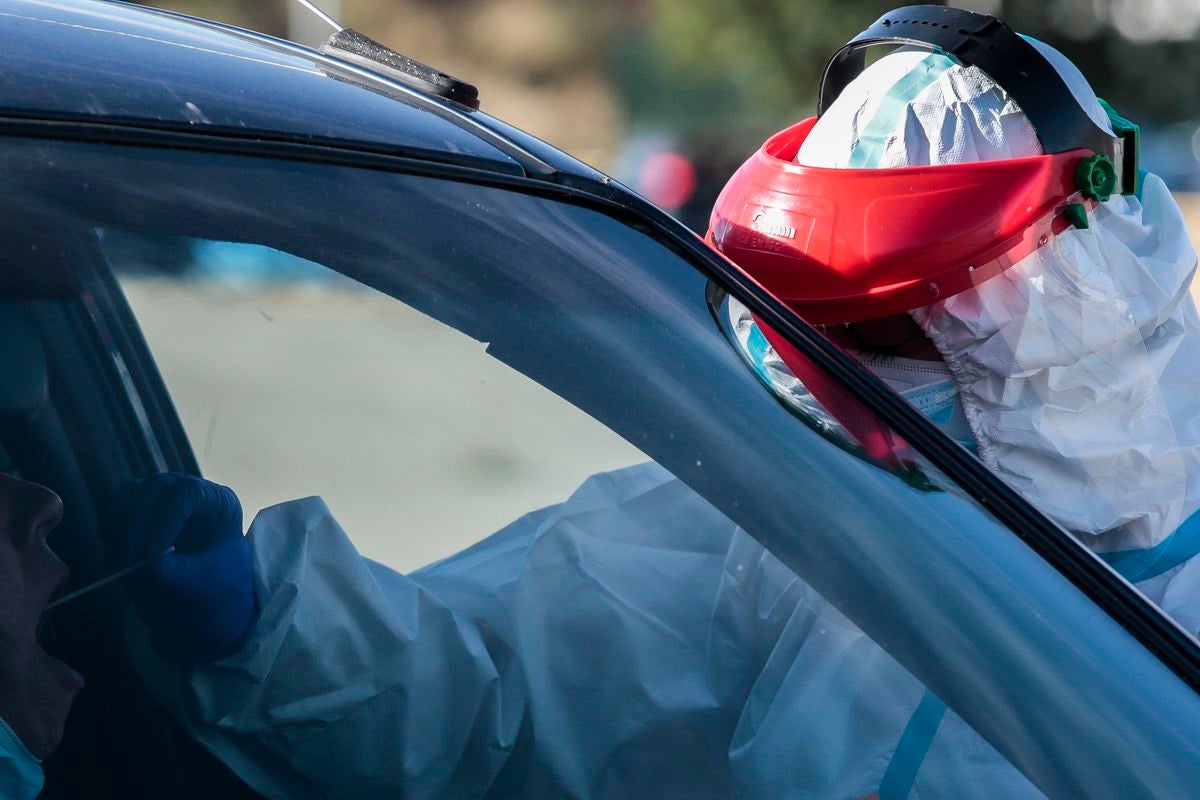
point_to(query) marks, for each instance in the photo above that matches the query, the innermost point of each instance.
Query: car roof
(121, 64)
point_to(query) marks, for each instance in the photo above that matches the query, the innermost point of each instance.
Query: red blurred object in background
(667, 179)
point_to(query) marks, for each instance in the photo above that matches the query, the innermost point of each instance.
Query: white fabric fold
(1077, 370)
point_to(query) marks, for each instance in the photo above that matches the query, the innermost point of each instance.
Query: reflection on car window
(231, 264)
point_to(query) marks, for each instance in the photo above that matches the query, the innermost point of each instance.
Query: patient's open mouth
(50, 602)
(65, 674)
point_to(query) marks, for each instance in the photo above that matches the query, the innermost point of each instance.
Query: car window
(291, 380)
(545, 386)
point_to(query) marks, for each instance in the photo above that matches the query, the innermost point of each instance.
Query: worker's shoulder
(91, 62)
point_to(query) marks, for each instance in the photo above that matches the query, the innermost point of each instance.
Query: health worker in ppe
(632, 641)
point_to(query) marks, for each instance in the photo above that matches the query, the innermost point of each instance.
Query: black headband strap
(1015, 64)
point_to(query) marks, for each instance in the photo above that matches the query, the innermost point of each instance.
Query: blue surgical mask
(21, 776)
(931, 389)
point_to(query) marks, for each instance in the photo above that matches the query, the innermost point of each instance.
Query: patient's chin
(57, 684)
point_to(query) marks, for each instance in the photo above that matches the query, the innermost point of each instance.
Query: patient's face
(36, 689)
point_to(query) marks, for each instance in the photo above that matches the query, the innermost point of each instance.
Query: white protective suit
(632, 642)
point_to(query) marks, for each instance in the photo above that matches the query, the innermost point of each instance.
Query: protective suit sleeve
(357, 681)
(629, 642)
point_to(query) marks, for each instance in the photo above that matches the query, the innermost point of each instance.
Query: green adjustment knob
(1076, 214)
(1096, 177)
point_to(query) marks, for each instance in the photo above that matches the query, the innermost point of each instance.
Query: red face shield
(844, 245)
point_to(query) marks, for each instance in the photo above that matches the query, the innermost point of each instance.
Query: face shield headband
(845, 245)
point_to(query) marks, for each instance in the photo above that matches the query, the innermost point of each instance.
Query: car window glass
(546, 383)
(292, 379)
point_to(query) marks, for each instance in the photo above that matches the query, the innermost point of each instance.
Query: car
(329, 272)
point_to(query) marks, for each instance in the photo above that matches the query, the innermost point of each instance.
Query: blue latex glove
(199, 600)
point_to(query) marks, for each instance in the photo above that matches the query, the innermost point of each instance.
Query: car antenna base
(363, 51)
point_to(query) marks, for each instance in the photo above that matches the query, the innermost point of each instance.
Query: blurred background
(669, 96)
(290, 381)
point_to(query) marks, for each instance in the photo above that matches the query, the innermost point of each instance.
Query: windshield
(652, 531)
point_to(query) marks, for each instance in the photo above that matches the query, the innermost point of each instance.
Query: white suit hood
(1079, 368)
